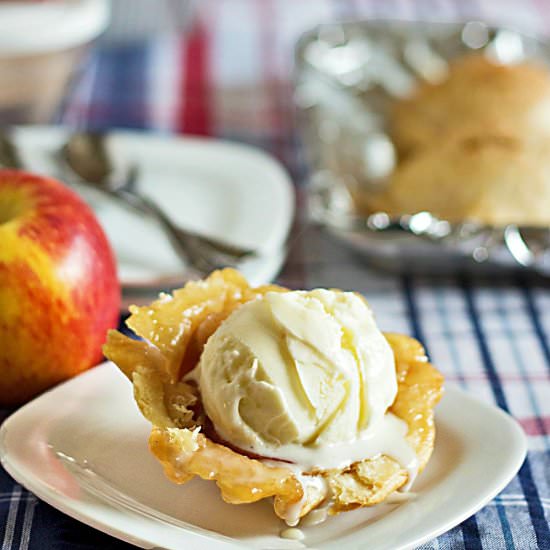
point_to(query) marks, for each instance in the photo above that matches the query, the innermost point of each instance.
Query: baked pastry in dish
(488, 179)
(277, 393)
(473, 147)
(478, 96)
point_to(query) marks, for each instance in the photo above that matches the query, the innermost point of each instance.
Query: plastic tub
(41, 44)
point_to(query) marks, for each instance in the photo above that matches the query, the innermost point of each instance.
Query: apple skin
(59, 292)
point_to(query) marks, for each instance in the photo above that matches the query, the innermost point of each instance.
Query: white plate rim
(33, 482)
(259, 271)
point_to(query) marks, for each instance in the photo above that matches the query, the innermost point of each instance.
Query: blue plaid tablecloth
(229, 76)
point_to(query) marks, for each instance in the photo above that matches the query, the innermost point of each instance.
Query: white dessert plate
(216, 188)
(82, 447)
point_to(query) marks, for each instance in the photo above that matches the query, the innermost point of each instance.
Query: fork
(84, 160)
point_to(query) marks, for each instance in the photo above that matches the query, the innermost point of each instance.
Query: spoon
(85, 155)
(9, 157)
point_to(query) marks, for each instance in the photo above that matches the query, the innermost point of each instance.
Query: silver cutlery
(84, 160)
(85, 157)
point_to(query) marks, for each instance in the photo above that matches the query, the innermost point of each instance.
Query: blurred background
(244, 71)
(228, 69)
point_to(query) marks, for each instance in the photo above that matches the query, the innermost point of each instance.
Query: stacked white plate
(215, 188)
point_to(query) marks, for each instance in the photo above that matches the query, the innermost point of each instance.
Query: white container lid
(40, 27)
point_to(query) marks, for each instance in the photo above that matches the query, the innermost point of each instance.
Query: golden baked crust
(473, 147)
(495, 180)
(479, 96)
(176, 330)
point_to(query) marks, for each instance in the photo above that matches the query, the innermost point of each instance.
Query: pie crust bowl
(174, 330)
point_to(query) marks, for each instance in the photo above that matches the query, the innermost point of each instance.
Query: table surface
(229, 77)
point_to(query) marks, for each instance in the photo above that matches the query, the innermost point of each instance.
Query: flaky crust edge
(177, 439)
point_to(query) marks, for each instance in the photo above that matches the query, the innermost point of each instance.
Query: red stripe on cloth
(194, 114)
(535, 425)
(506, 378)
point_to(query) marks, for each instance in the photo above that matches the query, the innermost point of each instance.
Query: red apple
(59, 291)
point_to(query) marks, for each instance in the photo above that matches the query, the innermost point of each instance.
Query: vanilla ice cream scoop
(295, 369)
